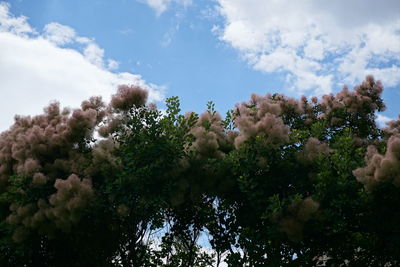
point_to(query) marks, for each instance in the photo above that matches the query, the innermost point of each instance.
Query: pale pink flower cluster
(129, 96)
(381, 168)
(40, 146)
(103, 154)
(72, 197)
(209, 136)
(299, 212)
(393, 127)
(260, 117)
(62, 210)
(47, 151)
(44, 150)
(312, 150)
(363, 100)
(126, 98)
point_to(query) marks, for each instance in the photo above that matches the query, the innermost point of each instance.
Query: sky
(204, 50)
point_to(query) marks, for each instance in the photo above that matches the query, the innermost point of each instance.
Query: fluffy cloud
(160, 6)
(59, 34)
(315, 43)
(382, 120)
(37, 67)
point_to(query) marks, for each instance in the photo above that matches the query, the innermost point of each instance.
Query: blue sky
(219, 50)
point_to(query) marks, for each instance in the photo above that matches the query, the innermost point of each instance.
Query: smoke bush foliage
(279, 181)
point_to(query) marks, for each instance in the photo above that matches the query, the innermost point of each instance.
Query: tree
(279, 181)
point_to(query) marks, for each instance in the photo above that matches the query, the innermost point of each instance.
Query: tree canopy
(278, 181)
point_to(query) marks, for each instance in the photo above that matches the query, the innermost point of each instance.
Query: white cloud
(112, 64)
(94, 54)
(160, 6)
(382, 120)
(314, 49)
(315, 43)
(59, 34)
(34, 69)
(17, 26)
(170, 33)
